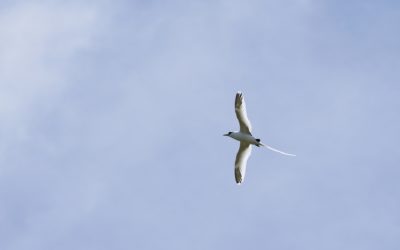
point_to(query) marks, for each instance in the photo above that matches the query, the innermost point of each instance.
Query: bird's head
(228, 134)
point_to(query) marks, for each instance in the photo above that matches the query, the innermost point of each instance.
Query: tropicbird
(246, 139)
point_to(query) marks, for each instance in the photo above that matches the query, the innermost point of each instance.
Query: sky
(112, 115)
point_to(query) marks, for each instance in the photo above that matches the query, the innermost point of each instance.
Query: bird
(246, 139)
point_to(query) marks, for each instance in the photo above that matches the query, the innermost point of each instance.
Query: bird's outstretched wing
(241, 161)
(241, 114)
(276, 150)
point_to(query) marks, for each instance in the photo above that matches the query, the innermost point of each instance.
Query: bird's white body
(246, 139)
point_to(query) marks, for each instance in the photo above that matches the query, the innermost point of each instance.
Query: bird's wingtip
(238, 176)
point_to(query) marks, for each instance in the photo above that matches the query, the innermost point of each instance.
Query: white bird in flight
(246, 139)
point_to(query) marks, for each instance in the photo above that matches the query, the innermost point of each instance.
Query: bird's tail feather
(276, 150)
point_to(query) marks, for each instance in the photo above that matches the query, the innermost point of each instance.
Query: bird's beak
(225, 134)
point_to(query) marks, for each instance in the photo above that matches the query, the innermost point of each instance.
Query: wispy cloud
(37, 45)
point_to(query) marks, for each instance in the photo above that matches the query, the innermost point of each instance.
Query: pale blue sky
(112, 115)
